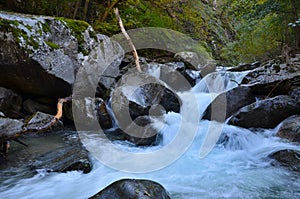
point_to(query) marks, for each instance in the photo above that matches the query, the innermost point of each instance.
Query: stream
(237, 168)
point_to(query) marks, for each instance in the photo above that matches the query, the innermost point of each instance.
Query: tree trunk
(297, 28)
(76, 9)
(85, 10)
(110, 7)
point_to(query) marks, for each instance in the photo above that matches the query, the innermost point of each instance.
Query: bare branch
(134, 52)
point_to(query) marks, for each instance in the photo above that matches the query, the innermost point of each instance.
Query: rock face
(266, 113)
(290, 129)
(137, 94)
(10, 103)
(287, 158)
(41, 55)
(233, 100)
(129, 188)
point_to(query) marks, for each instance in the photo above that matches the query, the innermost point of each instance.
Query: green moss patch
(52, 45)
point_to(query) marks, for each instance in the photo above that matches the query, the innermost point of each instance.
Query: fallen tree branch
(54, 120)
(134, 52)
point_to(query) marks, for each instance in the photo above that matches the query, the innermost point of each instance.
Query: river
(237, 168)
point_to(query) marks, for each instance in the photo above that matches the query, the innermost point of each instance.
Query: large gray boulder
(130, 188)
(138, 93)
(266, 113)
(41, 55)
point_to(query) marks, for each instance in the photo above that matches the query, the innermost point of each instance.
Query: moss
(52, 45)
(46, 27)
(33, 43)
(77, 27)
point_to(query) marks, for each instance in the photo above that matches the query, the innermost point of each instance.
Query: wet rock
(245, 67)
(228, 103)
(287, 158)
(272, 71)
(131, 188)
(295, 93)
(39, 120)
(191, 59)
(31, 106)
(277, 87)
(140, 132)
(65, 159)
(42, 55)
(90, 112)
(9, 128)
(137, 93)
(266, 113)
(174, 74)
(10, 103)
(290, 129)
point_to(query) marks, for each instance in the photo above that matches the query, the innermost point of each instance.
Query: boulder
(290, 129)
(136, 93)
(287, 158)
(266, 113)
(228, 103)
(244, 67)
(64, 159)
(41, 55)
(39, 120)
(131, 188)
(9, 128)
(272, 71)
(90, 111)
(10, 103)
(32, 106)
(295, 93)
(140, 132)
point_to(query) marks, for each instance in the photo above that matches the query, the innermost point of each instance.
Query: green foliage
(261, 29)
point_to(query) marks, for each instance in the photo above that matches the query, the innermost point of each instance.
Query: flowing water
(237, 168)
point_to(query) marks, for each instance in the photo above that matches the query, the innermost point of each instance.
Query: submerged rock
(130, 188)
(290, 129)
(287, 158)
(41, 55)
(266, 113)
(10, 103)
(228, 103)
